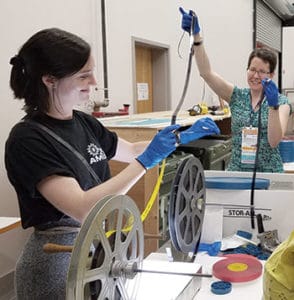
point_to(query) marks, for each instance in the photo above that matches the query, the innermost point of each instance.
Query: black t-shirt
(31, 155)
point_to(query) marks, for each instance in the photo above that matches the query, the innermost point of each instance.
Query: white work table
(167, 287)
(9, 223)
(156, 120)
(241, 291)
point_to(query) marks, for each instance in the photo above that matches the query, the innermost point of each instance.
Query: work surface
(242, 291)
(8, 223)
(161, 286)
(157, 120)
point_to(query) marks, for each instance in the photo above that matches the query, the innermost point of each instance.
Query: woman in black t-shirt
(53, 72)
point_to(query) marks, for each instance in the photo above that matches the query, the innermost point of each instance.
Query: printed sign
(142, 91)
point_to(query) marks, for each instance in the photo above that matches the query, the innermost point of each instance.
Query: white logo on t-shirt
(96, 153)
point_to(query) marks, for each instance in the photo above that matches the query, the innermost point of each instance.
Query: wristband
(276, 107)
(198, 43)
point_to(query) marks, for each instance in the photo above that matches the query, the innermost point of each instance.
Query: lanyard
(253, 110)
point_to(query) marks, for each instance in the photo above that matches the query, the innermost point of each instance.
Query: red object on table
(237, 268)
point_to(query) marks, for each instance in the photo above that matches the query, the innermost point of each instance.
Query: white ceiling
(283, 8)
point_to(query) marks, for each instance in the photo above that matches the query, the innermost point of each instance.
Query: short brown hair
(265, 54)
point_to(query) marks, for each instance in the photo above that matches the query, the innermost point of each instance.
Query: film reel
(108, 250)
(187, 206)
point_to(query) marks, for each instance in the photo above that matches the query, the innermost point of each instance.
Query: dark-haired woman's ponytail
(18, 77)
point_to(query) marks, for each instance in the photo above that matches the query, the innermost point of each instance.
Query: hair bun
(17, 61)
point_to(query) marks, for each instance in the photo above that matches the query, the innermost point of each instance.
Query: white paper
(143, 91)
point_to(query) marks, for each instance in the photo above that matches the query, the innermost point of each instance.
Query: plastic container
(286, 148)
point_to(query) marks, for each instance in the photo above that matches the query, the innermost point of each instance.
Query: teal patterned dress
(269, 159)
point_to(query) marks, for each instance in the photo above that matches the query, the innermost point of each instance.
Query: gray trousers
(39, 275)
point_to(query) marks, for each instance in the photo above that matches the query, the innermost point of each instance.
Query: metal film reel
(107, 252)
(187, 205)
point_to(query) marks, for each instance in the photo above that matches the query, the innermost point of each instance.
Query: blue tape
(245, 234)
(221, 287)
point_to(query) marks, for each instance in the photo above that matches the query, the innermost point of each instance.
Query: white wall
(288, 58)
(288, 71)
(227, 29)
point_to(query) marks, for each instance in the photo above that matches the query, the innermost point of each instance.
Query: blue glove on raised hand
(187, 21)
(199, 129)
(271, 92)
(163, 144)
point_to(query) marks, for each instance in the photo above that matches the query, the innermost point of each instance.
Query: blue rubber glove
(163, 144)
(213, 249)
(199, 129)
(271, 92)
(187, 21)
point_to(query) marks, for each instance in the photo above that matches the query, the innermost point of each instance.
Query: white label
(249, 145)
(142, 91)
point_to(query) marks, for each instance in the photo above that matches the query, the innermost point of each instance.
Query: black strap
(68, 146)
(252, 210)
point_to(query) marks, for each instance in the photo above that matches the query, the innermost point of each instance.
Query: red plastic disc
(237, 268)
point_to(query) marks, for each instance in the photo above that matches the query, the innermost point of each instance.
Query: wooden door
(144, 98)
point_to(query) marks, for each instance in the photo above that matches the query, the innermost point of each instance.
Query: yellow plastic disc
(237, 267)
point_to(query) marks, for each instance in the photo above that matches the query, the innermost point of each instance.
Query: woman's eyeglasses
(260, 73)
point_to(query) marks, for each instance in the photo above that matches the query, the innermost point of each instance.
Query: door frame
(160, 73)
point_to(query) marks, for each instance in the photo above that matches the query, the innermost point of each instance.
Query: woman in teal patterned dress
(243, 114)
(262, 97)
